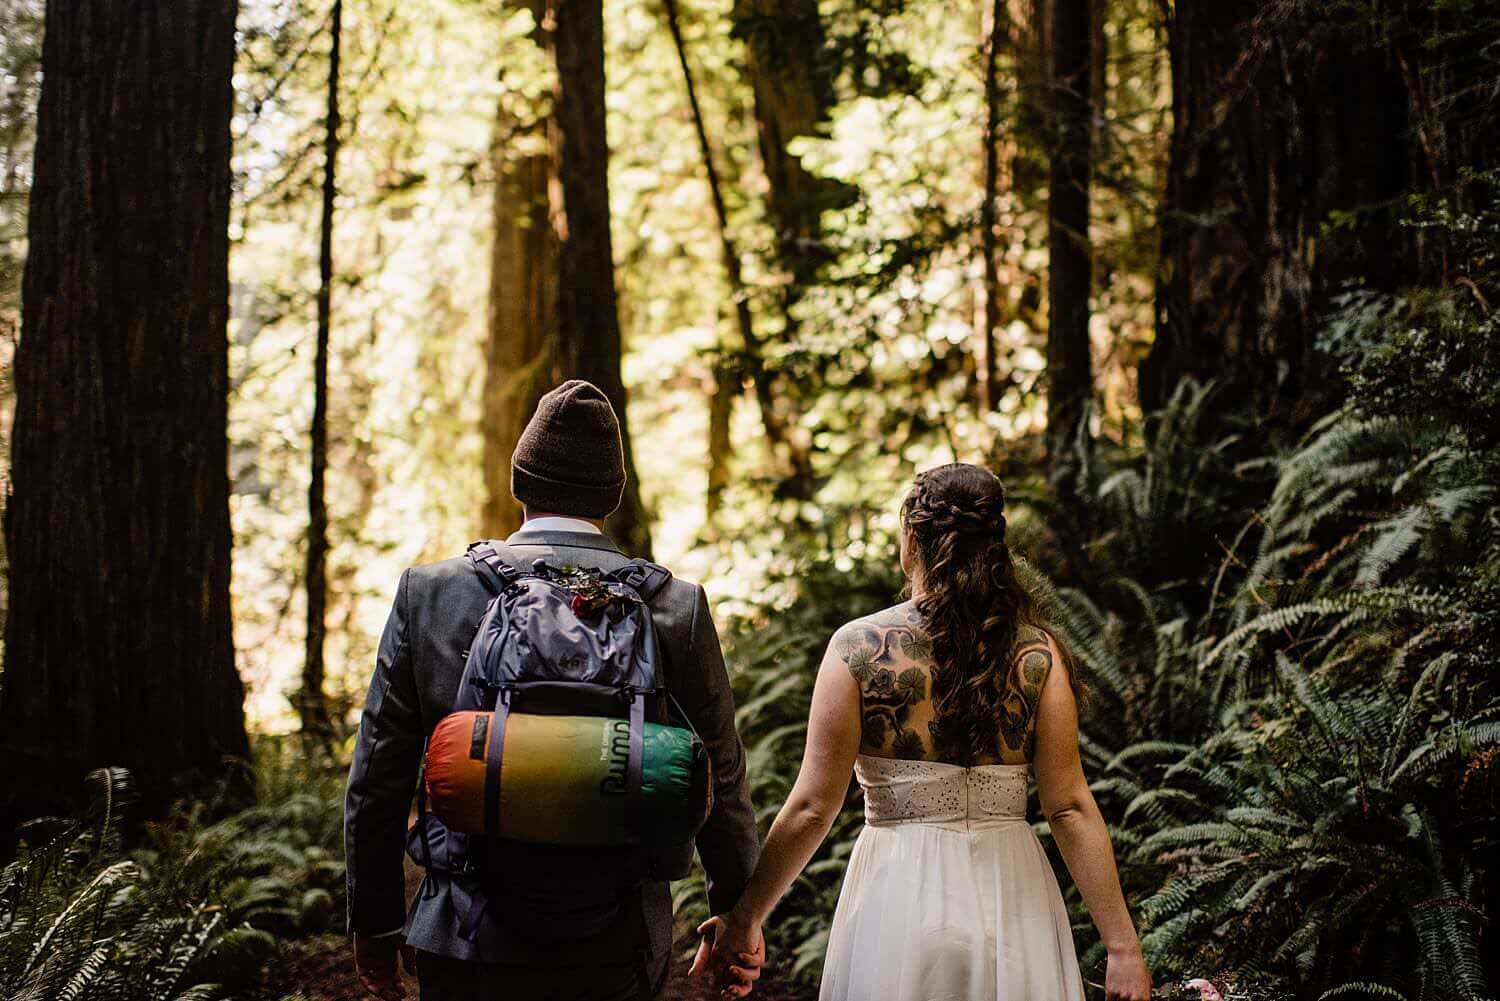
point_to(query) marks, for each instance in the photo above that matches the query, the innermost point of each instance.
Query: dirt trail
(322, 969)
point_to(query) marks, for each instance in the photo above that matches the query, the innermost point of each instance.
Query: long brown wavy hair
(972, 605)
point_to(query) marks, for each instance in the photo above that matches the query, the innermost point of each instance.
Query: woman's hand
(735, 948)
(1126, 977)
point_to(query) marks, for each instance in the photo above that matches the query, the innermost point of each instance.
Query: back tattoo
(889, 654)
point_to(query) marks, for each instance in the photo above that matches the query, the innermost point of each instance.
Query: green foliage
(1316, 806)
(1296, 741)
(192, 914)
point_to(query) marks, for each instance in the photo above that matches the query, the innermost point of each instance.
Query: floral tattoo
(883, 655)
(882, 659)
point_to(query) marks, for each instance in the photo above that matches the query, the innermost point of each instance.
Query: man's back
(421, 658)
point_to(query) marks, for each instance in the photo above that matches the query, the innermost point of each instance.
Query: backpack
(565, 775)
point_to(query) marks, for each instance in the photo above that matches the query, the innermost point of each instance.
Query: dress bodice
(934, 792)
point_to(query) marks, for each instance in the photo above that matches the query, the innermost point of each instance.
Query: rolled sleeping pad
(562, 780)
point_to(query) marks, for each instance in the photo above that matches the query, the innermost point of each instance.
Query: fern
(83, 919)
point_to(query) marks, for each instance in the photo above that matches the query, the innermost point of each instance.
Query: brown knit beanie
(569, 459)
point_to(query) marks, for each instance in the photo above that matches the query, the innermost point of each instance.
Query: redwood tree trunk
(1069, 367)
(988, 224)
(783, 47)
(1276, 122)
(792, 94)
(588, 322)
(520, 361)
(118, 647)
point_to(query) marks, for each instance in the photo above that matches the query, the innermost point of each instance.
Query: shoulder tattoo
(1035, 659)
(884, 660)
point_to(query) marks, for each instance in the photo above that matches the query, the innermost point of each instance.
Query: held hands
(735, 950)
(375, 960)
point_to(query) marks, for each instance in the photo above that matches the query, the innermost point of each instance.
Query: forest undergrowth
(1293, 726)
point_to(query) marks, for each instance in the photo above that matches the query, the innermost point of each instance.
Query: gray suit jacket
(417, 669)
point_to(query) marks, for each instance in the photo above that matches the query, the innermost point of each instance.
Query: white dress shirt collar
(555, 523)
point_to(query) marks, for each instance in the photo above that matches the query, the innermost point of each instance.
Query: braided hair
(972, 606)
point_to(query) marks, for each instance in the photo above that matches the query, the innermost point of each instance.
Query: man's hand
(375, 960)
(735, 950)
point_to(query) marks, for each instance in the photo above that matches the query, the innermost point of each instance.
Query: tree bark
(1276, 122)
(588, 322)
(1031, 34)
(520, 355)
(792, 94)
(118, 645)
(720, 445)
(1030, 23)
(792, 91)
(988, 224)
(1070, 276)
(312, 702)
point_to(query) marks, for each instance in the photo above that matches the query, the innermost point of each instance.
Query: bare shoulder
(1036, 652)
(889, 656)
(882, 639)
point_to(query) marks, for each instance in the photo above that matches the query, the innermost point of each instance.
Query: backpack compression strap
(479, 903)
(637, 753)
(646, 579)
(491, 560)
(492, 763)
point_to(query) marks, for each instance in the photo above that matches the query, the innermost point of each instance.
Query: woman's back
(948, 894)
(890, 655)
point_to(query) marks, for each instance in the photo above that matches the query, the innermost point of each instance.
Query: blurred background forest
(1210, 285)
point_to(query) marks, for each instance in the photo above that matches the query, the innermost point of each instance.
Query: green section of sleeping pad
(563, 782)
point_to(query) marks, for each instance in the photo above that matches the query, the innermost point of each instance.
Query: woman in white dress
(941, 705)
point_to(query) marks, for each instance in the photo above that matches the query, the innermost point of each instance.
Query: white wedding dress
(948, 895)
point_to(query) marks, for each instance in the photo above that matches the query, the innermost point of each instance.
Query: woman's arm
(815, 800)
(819, 792)
(1079, 830)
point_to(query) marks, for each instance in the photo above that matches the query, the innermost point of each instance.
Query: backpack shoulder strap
(644, 577)
(495, 564)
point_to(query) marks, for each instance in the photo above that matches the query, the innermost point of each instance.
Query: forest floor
(321, 968)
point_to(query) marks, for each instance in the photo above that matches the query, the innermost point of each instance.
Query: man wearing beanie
(568, 471)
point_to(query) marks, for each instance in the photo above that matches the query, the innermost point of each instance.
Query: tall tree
(793, 92)
(1070, 274)
(1031, 39)
(588, 319)
(118, 645)
(312, 703)
(520, 362)
(554, 313)
(989, 237)
(778, 435)
(1278, 120)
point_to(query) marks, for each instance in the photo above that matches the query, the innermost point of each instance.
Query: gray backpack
(561, 641)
